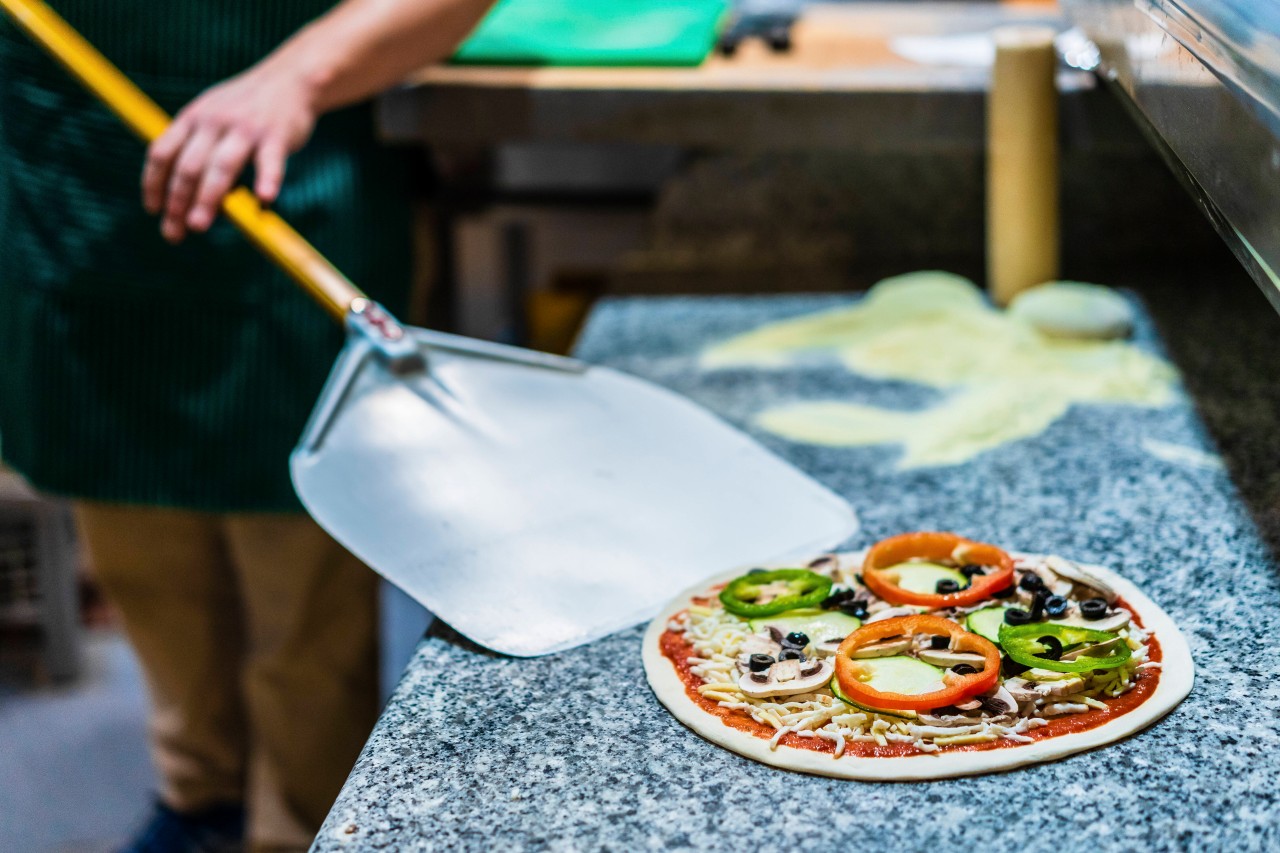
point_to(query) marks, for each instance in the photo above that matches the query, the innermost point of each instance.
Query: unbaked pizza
(927, 655)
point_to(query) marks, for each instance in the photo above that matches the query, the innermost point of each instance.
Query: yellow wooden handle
(265, 229)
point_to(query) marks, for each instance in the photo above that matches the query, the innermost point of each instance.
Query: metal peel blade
(536, 509)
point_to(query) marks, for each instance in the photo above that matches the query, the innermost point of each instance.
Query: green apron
(137, 372)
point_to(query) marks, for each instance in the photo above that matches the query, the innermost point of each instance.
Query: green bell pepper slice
(792, 588)
(1022, 643)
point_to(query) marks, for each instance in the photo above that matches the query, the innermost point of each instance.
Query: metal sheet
(1203, 77)
(536, 509)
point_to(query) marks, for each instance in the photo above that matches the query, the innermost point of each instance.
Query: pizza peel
(532, 502)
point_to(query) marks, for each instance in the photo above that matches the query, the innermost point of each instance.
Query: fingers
(269, 164)
(261, 116)
(183, 181)
(160, 157)
(193, 166)
(224, 165)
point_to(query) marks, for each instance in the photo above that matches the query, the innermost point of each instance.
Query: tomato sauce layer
(678, 651)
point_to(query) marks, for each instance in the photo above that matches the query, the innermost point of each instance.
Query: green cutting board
(595, 32)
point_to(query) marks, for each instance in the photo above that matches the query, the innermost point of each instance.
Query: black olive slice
(1052, 648)
(796, 639)
(1093, 608)
(970, 569)
(760, 663)
(1031, 582)
(939, 642)
(857, 609)
(1016, 616)
(964, 669)
(1010, 668)
(1056, 605)
(946, 586)
(1037, 604)
(836, 600)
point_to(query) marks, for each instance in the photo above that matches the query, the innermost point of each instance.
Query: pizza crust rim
(1176, 678)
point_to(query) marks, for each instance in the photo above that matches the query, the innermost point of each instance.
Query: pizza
(927, 655)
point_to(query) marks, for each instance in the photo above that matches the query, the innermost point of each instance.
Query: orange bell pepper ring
(878, 568)
(956, 687)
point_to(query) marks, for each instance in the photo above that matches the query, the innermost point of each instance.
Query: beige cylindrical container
(1022, 163)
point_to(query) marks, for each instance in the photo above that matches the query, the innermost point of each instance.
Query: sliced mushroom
(826, 648)
(1021, 690)
(1056, 583)
(795, 682)
(946, 658)
(1079, 574)
(756, 644)
(924, 641)
(883, 649)
(1000, 702)
(1098, 650)
(826, 562)
(784, 671)
(760, 644)
(890, 613)
(971, 705)
(1110, 622)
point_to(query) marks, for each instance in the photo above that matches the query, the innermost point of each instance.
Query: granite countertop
(573, 752)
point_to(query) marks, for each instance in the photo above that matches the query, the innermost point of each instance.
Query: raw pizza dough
(1000, 378)
(1074, 310)
(1176, 676)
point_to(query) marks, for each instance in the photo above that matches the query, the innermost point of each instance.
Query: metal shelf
(1203, 78)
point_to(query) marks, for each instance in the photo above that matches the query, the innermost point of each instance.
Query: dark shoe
(216, 830)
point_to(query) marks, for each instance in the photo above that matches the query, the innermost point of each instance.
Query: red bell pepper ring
(879, 577)
(957, 688)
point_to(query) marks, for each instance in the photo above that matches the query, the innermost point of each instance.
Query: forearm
(362, 47)
(266, 113)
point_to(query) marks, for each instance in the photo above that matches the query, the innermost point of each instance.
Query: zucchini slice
(819, 625)
(839, 694)
(987, 622)
(896, 674)
(922, 576)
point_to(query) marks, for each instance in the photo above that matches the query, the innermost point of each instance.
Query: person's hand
(261, 116)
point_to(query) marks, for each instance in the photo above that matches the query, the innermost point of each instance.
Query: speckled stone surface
(573, 752)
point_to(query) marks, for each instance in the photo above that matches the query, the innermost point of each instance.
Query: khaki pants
(257, 637)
